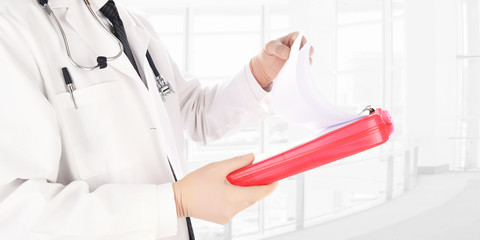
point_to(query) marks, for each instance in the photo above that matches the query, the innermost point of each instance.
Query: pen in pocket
(69, 84)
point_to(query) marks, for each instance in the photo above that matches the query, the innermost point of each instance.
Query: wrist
(258, 73)
(177, 193)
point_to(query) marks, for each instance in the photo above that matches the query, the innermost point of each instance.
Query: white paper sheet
(296, 99)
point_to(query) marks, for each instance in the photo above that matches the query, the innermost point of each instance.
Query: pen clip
(69, 84)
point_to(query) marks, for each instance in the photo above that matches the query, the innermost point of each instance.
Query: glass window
(398, 8)
(170, 24)
(467, 144)
(280, 207)
(471, 27)
(360, 47)
(246, 222)
(227, 19)
(175, 45)
(208, 231)
(358, 89)
(358, 11)
(279, 17)
(398, 43)
(215, 42)
(221, 54)
(351, 183)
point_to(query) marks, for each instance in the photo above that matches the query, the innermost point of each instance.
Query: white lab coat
(99, 172)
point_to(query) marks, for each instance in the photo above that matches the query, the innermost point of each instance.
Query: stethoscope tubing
(100, 64)
(163, 86)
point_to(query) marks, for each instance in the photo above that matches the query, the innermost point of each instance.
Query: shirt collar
(59, 3)
(97, 4)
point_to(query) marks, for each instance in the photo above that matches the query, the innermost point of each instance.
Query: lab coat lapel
(96, 38)
(137, 37)
(139, 42)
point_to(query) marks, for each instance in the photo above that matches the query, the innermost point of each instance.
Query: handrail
(468, 56)
(383, 155)
(461, 137)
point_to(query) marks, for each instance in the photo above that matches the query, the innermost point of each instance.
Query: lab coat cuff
(256, 89)
(167, 211)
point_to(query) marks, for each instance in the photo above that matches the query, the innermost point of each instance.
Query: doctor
(91, 144)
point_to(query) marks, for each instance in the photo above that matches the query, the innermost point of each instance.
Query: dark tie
(110, 11)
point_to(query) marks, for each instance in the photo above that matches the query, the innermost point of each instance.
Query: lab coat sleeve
(211, 112)
(32, 205)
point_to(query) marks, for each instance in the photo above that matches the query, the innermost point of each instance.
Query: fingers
(304, 41)
(281, 47)
(312, 50)
(235, 163)
(291, 37)
(256, 193)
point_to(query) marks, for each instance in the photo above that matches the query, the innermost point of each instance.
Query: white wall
(471, 88)
(431, 44)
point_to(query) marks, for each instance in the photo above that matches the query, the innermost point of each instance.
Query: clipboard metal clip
(368, 108)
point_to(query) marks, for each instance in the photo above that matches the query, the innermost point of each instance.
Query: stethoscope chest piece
(164, 87)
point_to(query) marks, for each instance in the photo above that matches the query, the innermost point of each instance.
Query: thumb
(235, 163)
(277, 48)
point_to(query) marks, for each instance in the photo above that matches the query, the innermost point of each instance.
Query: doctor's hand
(266, 65)
(207, 194)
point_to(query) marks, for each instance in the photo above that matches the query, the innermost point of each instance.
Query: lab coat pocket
(108, 132)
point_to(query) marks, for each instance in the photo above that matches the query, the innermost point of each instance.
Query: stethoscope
(163, 86)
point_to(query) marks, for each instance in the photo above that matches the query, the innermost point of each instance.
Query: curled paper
(297, 100)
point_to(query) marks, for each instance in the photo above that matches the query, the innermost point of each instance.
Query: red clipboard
(358, 136)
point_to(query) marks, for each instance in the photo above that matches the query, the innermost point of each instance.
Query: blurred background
(419, 59)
